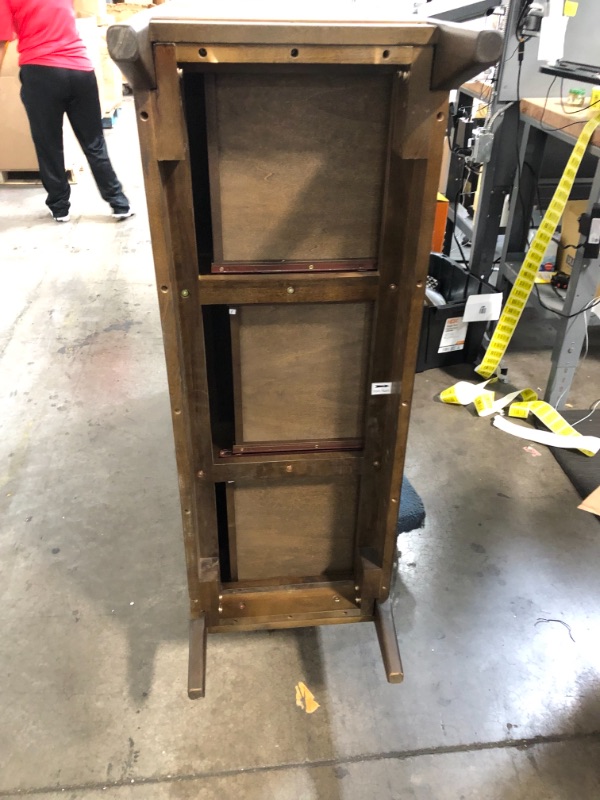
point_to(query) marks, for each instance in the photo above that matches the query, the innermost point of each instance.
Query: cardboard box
(17, 151)
(120, 12)
(565, 256)
(91, 8)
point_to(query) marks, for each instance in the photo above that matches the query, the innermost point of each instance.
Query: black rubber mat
(582, 471)
(412, 511)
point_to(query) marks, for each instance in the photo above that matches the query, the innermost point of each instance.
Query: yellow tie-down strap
(517, 300)
(519, 404)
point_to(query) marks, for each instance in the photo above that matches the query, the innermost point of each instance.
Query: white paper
(552, 34)
(381, 388)
(453, 337)
(591, 443)
(483, 307)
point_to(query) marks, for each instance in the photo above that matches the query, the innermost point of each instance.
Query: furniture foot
(197, 658)
(388, 641)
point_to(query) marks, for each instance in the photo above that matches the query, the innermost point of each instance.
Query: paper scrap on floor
(592, 502)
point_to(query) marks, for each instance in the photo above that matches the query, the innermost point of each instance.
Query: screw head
(289, 468)
(336, 599)
(220, 609)
(242, 606)
(185, 293)
(290, 290)
(200, 473)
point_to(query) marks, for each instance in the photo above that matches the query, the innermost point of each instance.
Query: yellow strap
(523, 285)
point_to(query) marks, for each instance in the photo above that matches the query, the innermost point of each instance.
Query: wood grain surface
(301, 165)
(294, 527)
(302, 371)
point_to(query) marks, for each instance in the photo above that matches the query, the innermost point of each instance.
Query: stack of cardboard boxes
(17, 153)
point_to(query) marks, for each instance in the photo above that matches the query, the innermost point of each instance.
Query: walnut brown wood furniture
(291, 170)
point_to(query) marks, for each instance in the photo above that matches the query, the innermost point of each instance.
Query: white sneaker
(66, 218)
(121, 215)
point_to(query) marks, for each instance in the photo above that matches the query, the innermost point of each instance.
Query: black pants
(48, 93)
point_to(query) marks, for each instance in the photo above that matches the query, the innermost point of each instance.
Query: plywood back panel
(302, 371)
(298, 164)
(295, 527)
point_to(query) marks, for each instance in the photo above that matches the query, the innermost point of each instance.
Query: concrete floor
(93, 601)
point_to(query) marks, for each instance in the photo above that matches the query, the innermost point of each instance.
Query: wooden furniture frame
(419, 63)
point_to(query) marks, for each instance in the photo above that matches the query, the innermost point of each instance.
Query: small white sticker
(381, 388)
(594, 237)
(233, 310)
(454, 334)
(483, 307)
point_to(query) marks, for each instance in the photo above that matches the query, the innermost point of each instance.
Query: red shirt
(46, 31)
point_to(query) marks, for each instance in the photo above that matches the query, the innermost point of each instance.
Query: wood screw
(393, 286)
(185, 293)
(220, 609)
(290, 290)
(336, 599)
(200, 473)
(242, 606)
(289, 468)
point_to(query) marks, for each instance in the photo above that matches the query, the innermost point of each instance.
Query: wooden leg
(388, 641)
(197, 662)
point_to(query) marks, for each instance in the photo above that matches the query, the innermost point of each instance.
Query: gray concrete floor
(93, 653)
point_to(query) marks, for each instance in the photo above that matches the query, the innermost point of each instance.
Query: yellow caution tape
(523, 285)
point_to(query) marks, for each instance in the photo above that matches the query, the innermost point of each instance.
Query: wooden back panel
(300, 527)
(297, 164)
(301, 372)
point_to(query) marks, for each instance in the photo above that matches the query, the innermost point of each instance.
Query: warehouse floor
(93, 601)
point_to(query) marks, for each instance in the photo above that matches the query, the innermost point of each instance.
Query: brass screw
(336, 599)
(394, 500)
(290, 290)
(220, 597)
(311, 266)
(376, 463)
(242, 606)
(356, 588)
(220, 609)
(185, 293)
(200, 473)
(289, 468)
(393, 286)
(357, 601)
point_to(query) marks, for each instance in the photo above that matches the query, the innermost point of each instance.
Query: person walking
(57, 78)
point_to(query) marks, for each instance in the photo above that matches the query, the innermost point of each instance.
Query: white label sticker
(381, 388)
(594, 237)
(483, 307)
(454, 334)
(233, 310)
